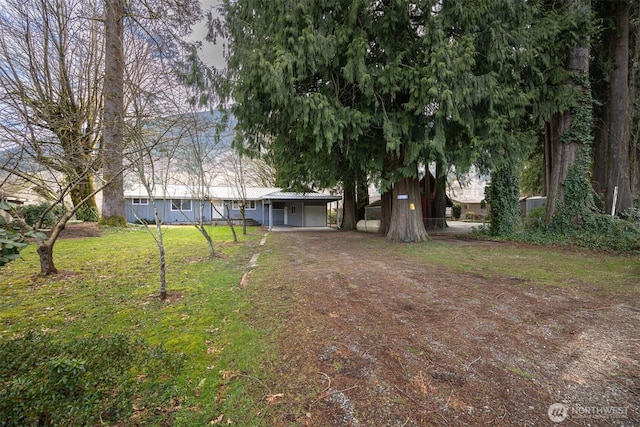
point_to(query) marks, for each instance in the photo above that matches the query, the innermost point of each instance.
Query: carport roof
(288, 195)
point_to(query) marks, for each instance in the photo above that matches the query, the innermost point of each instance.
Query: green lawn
(555, 266)
(109, 285)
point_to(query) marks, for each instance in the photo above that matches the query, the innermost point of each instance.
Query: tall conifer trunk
(618, 164)
(440, 202)
(563, 155)
(362, 194)
(563, 137)
(386, 207)
(634, 97)
(406, 213)
(349, 203)
(113, 136)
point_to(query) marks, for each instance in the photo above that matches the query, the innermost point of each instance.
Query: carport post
(270, 216)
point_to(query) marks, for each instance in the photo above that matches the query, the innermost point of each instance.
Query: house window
(293, 210)
(140, 201)
(250, 205)
(180, 205)
(278, 205)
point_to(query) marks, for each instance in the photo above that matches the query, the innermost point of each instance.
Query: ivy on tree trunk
(503, 196)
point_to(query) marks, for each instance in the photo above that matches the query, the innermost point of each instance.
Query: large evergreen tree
(610, 73)
(569, 133)
(336, 89)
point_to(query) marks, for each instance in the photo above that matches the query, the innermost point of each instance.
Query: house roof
(287, 195)
(234, 193)
(471, 191)
(225, 193)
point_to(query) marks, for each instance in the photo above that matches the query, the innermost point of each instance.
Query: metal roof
(287, 195)
(224, 193)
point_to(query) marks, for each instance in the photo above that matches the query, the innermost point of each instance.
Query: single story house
(180, 204)
(470, 195)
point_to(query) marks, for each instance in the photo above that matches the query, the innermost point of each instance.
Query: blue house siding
(168, 216)
(294, 214)
(255, 214)
(267, 206)
(277, 217)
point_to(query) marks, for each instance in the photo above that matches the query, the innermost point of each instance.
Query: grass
(226, 336)
(110, 285)
(560, 267)
(519, 372)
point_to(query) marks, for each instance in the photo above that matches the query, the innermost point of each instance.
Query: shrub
(88, 381)
(31, 214)
(88, 214)
(12, 235)
(604, 232)
(599, 232)
(536, 218)
(633, 213)
(11, 242)
(456, 210)
(471, 215)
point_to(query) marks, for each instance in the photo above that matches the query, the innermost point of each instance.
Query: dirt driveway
(374, 338)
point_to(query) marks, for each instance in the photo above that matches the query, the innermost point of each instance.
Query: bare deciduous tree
(51, 89)
(50, 101)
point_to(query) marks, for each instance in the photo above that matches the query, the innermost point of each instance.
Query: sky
(211, 53)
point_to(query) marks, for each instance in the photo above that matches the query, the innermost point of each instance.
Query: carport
(297, 209)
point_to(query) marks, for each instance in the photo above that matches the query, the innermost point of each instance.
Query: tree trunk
(634, 96)
(113, 142)
(618, 164)
(163, 262)
(82, 190)
(440, 202)
(45, 247)
(386, 200)
(227, 207)
(406, 214)
(349, 203)
(427, 202)
(546, 160)
(45, 253)
(203, 230)
(386, 207)
(362, 195)
(563, 155)
(601, 155)
(563, 146)
(244, 218)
